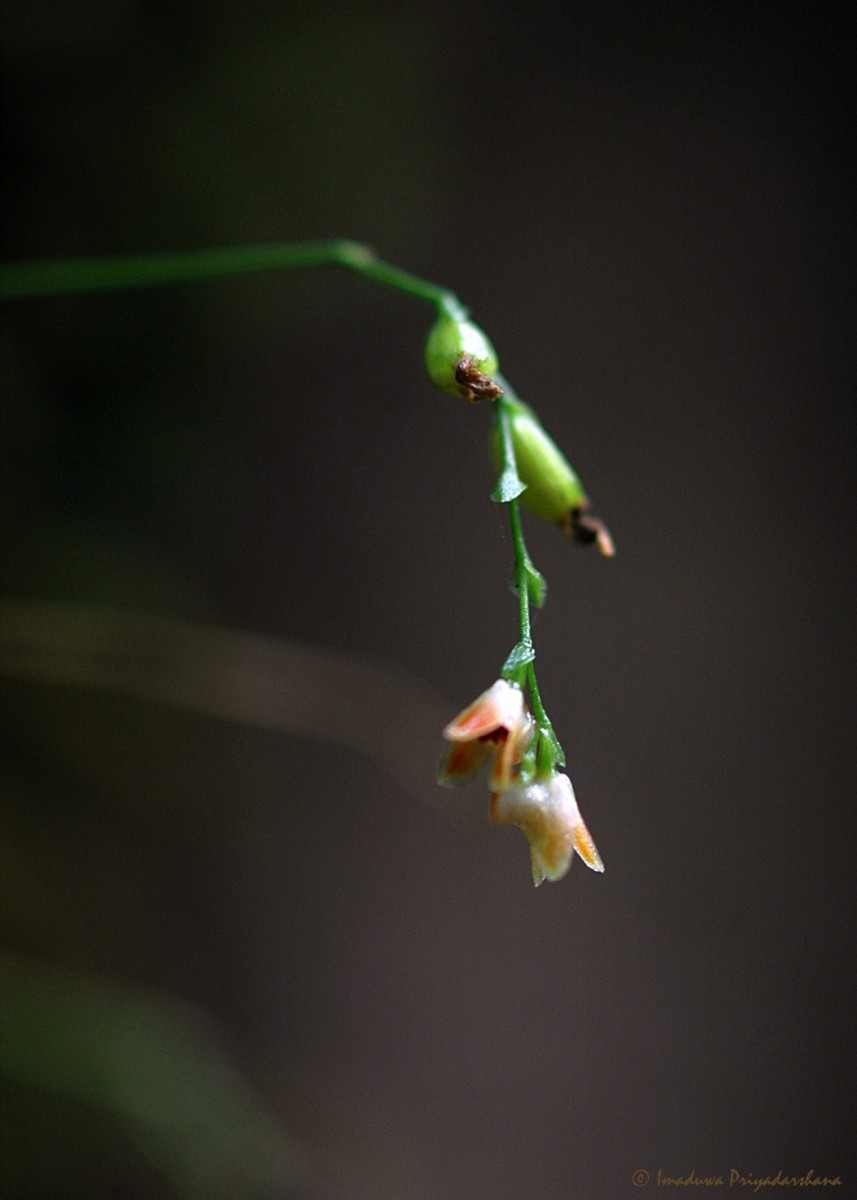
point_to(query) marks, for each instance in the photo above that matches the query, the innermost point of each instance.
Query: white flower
(547, 811)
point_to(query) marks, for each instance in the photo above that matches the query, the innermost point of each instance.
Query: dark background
(648, 208)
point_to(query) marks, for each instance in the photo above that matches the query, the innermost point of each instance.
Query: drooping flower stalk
(532, 471)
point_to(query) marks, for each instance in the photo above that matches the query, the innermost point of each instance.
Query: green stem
(520, 664)
(521, 581)
(101, 274)
(510, 471)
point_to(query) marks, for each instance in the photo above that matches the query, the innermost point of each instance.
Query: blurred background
(252, 949)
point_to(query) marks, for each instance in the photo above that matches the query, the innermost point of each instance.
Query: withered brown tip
(474, 384)
(583, 527)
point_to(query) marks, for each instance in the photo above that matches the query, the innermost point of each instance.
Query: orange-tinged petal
(501, 707)
(585, 847)
(462, 761)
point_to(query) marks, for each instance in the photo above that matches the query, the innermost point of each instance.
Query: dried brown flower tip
(584, 528)
(474, 384)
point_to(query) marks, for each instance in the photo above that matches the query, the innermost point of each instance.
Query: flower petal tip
(585, 847)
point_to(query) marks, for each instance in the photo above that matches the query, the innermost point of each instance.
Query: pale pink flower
(547, 811)
(497, 724)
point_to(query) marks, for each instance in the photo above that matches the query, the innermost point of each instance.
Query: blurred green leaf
(157, 1065)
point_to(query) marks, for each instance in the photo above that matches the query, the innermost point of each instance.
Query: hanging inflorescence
(501, 728)
(507, 725)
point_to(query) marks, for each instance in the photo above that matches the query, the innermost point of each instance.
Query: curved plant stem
(29, 279)
(101, 274)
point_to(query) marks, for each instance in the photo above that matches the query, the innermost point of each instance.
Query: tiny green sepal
(519, 659)
(537, 585)
(549, 754)
(460, 359)
(509, 487)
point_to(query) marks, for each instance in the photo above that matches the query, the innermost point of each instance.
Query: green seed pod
(553, 489)
(460, 359)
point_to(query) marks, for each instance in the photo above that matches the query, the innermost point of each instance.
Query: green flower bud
(460, 359)
(553, 490)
